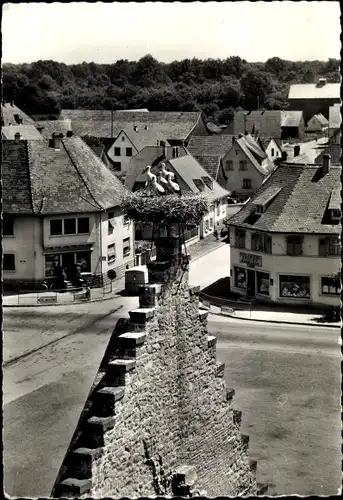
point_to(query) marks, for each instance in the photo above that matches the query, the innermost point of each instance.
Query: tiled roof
(263, 123)
(8, 111)
(264, 142)
(314, 91)
(54, 126)
(334, 150)
(97, 123)
(25, 131)
(189, 170)
(70, 180)
(335, 117)
(300, 205)
(208, 150)
(144, 137)
(322, 120)
(213, 128)
(251, 153)
(147, 156)
(291, 118)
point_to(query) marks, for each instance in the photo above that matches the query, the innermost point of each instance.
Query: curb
(102, 299)
(274, 321)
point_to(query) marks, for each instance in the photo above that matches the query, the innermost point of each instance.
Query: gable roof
(147, 156)
(321, 119)
(50, 127)
(190, 171)
(298, 207)
(208, 150)
(8, 111)
(252, 152)
(314, 91)
(335, 118)
(334, 150)
(264, 123)
(97, 123)
(265, 141)
(291, 118)
(70, 180)
(25, 131)
(143, 136)
(213, 128)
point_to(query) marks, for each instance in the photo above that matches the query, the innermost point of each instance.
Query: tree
(256, 85)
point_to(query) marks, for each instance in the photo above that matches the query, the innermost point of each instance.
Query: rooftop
(97, 123)
(10, 114)
(299, 206)
(208, 150)
(25, 131)
(49, 127)
(143, 136)
(291, 118)
(266, 123)
(38, 179)
(322, 120)
(315, 91)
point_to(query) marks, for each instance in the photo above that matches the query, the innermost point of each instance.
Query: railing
(191, 233)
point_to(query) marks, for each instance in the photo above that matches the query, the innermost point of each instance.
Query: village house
(209, 150)
(271, 146)
(292, 124)
(285, 245)
(314, 98)
(19, 132)
(49, 127)
(335, 120)
(317, 123)
(61, 206)
(245, 167)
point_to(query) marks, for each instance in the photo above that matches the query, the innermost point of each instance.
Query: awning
(69, 248)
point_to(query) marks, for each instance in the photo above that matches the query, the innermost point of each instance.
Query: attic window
(335, 214)
(262, 202)
(199, 184)
(259, 209)
(208, 181)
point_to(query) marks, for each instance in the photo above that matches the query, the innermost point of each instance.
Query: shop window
(83, 260)
(7, 225)
(56, 227)
(116, 151)
(297, 287)
(261, 242)
(51, 261)
(110, 223)
(262, 283)
(69, 226)
(128, 151)
(243, 165)
(111, 253)
(294, 245)
(239, 238)
(240, 277)
(9, 262)
(126, 247)
(83, 225)
(329, 246)
(330, 285)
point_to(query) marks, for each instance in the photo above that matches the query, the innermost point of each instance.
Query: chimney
(56, 141)
(135, 128)
(321, 82)
(69, 133)
(240, 136)
(326, 163)
(296, 150)
(176, 151)
(146, 127)
(17, 136)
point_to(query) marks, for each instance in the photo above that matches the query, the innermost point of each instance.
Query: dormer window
(259, 209)
(335, 214)
(262, 202)
(199, 184)
(208, 181)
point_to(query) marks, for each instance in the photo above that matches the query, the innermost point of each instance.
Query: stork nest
(142, 206)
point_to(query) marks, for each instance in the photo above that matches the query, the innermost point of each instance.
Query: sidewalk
(196, 251)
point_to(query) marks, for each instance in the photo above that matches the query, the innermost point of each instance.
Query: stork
(152, 181)
(165, 172)
(174, 187)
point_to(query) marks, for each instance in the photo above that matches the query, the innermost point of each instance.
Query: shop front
(72, 261)
(249, 278)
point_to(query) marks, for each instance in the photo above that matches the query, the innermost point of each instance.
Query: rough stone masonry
(159, 419)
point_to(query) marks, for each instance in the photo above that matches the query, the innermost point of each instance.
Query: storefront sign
(50, 299)
(250, 260)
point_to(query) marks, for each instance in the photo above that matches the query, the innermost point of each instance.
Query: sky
(105, 32)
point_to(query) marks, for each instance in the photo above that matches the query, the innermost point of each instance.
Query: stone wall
(159, 419)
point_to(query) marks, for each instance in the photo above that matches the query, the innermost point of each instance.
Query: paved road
(287, 382)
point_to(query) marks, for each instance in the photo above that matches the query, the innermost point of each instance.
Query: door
(68, 264)
(251, 283)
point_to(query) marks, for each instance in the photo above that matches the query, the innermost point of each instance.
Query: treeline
(217, 87)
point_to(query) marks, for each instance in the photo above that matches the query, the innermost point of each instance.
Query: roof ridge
(79, 173)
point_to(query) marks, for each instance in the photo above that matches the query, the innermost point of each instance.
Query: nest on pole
(144, 206)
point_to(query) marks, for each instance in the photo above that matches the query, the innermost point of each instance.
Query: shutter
(322, 247)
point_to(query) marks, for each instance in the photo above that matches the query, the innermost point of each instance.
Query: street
(286, 380)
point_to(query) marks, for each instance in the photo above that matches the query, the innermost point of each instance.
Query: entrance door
(68, 264)
(251, 283)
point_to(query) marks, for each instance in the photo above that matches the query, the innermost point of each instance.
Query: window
(9, 262)
(229, 165)
(294, 245)
(262, 283)
(246, 184)
(83, 260)
(211, 223)
(297, 287)
(51, 261)
(207, 225)
(272, 151)
(69, 226)
(117, 165)
(83, 225)
(128, 151)
(110, 222)
(123, 137)
(56, 227)
(240, 238)
(116, 151)
(277, 153)
(329, 246)
(126, 220)
(261, 242)
(126, 247)
(330, 286)
(7, 225)
(218, 207)
(240, 277)
(259, 209)
(243, 165)
(111, 253)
